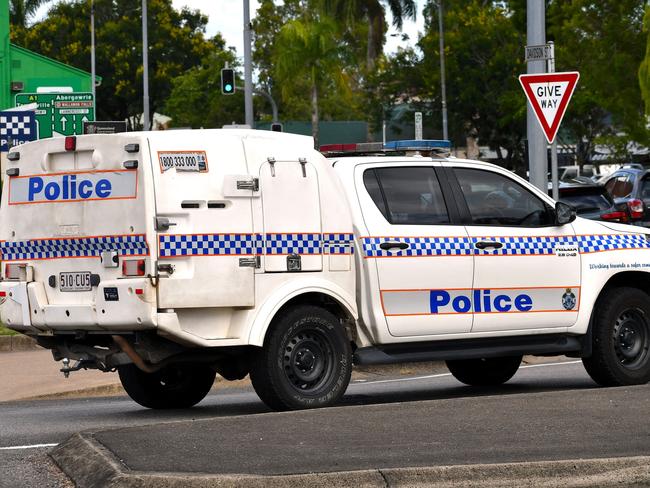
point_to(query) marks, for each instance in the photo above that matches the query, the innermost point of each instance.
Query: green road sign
(60, 114)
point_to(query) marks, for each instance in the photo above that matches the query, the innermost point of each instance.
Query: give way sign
(549, 95)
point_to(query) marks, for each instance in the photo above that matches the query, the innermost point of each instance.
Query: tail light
(16, 272)
(70, 143)
(133, 267)
(636, 208)
(616, 216)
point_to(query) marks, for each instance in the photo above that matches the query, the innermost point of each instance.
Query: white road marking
(442, 375)
(33, 446)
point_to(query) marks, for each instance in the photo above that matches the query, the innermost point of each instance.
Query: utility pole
(248, 66)
(554, 170)
(92, 53)
(537, 156)
(145, 66)
(443, 88)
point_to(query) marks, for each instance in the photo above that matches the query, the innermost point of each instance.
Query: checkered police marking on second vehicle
(127, 245)
(16, 128)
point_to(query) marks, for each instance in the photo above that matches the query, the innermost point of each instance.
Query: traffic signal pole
(248, 66)
(537, 156)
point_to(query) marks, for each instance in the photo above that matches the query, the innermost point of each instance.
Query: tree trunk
(314, 114)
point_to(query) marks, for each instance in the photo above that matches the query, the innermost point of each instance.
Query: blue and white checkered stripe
(418, 246)
(130, 245)
(338, 243)
(172, 245)
(512, 246)
(274, 244)
(612, 242)
(524, 246)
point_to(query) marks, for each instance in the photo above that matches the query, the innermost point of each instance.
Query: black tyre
(484, 372)
(306, 361)
(175, 386)
(621, 339)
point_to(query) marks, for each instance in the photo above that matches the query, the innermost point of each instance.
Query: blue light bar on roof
(417, 145)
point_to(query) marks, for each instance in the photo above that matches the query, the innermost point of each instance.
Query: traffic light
(276, 127)
(228, 81)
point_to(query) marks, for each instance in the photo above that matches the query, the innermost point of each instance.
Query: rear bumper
(26, 308)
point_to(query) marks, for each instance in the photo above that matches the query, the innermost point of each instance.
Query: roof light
(417, 145)
(388, 147)
(70, 143)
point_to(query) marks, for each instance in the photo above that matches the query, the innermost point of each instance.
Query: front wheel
(621, 339)
(306, 361)
(484, 372)
(180, 385)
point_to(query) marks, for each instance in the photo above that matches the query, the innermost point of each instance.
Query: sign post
(60, 114)
(418, 126)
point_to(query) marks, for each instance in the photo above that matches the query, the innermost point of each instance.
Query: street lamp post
(248, 67)
(145, 66)
(443, 88)
(92, 53)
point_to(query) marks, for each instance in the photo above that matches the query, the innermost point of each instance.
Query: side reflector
(139, 291)
(133, 267)
(70, 143)
(3, 294)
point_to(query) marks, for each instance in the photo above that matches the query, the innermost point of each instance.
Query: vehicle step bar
(469, 349)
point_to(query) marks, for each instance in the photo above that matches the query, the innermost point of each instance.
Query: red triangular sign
(549, 95)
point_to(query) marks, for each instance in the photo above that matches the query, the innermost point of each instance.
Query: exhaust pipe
(127, 348)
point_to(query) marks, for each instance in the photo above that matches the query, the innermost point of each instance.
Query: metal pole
(92, 54)
(248, 66)
(145, 66)
(537, 157)
(443, 88)
(554, 170)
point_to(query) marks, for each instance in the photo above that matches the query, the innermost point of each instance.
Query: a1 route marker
(549, 95)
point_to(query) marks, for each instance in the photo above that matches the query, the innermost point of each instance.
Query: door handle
(386, 246)
(486, 244)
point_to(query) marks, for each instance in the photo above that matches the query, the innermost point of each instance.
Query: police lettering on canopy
(73, 187)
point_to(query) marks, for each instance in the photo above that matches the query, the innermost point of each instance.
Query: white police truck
(173, 256)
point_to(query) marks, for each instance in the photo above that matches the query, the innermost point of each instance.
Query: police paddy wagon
(173, 256)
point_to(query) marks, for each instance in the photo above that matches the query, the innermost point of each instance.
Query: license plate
(77, 281)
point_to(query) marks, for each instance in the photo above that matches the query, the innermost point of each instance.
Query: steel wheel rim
(632, 339)
(308, 360)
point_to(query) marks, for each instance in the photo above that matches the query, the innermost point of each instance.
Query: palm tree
(307, 48)
(21, 10)
(374, 13)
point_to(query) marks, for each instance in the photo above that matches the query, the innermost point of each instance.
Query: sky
(227, 17)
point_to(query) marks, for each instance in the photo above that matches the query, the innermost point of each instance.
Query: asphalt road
(554, 390)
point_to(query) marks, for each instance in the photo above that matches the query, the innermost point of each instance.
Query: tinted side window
(372, 185)
(412, 196)
(494, 199)
(623, 187)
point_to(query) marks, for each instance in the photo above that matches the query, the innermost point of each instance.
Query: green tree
(196, 100)
(372, 13)
(307, 48)
(604, 41)
(644, 69)
(483, 50)
(20, 11)
(176, 44)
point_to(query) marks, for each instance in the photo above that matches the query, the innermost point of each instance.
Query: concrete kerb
(14, 343)
(89, 464)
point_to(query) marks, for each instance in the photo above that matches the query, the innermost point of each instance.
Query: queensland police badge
(568, 299)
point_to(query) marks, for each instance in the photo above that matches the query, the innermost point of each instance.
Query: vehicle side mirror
(564, 213)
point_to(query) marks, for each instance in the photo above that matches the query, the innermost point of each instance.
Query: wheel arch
(630, 279)
(335, 301)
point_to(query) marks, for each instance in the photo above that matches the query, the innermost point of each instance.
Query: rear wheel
(179, 385)
(621, 339)
(484, 372)
(306, 361)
